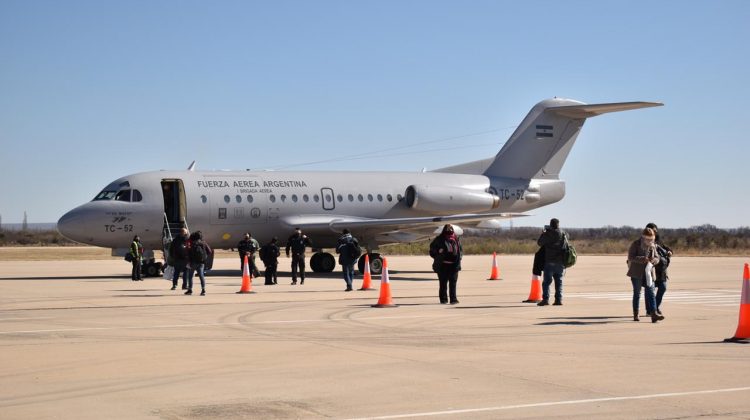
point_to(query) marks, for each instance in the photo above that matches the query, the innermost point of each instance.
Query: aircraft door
(174, 200)
(327, 199)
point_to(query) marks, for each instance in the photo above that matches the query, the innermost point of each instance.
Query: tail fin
(541, 143)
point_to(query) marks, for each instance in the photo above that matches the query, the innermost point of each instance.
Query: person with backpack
(297, 244)
(269, 254)
(349, 252)
(555, 243)
(198, 255)
(660, 282)
(136, 258)
(446, 252)
(178, 251)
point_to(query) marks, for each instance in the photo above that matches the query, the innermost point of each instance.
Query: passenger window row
(316, 198)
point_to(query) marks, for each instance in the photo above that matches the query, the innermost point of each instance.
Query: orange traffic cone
(247, 278)
(535, 295)
(385, 300)
(743, 327)
(367, 278)
(495, 273)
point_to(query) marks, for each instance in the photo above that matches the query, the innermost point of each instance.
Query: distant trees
(696, 240)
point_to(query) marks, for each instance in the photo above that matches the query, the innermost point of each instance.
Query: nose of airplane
(72, 225)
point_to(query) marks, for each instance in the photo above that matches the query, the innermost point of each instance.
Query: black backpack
(354, 250)
(198, 253)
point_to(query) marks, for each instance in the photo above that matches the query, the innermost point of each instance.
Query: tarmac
(79, 340)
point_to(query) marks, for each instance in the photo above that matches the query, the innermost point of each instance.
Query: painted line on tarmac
(555, 403)
(220, 324)
(24, 319)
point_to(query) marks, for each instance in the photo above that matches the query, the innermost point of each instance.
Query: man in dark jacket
(269, 254)
(349, 252)
(297, 244)
(553, 240)
(178, 250)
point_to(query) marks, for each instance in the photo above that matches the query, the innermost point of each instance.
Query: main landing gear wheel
(322, 262)
(376, 263)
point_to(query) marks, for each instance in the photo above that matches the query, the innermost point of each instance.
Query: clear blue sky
(94, 90)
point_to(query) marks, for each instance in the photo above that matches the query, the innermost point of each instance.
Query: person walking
(269, 254)
(297, 244)
(136, 255)
(349, 251)
(446, 252)
(199, 254)
(642, 256)
(665, 258)
(178, 250)
(554, 242)
(248, 247)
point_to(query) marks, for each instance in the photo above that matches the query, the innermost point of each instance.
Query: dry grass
(60, 253)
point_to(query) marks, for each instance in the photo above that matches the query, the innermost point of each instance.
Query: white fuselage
(226, 204)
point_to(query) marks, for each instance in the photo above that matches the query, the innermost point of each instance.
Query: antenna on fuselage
(191, 168)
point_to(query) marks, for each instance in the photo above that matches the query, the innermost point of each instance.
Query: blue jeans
(553, 271)
(650, 300)
(348, 270)
(201, 274)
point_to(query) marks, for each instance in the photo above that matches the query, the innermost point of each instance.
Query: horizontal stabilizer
(541, 143)
(592, 110)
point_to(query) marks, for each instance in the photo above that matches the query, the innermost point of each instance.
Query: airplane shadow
(584, 320)
(393, 274)
(285, 274)
(411, 271)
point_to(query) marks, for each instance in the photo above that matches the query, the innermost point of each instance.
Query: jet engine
(438, 199)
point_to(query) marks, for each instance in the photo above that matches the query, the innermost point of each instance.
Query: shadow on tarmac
(740, 341)
(584, 320)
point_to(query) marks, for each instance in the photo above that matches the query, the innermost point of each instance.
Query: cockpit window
(105, 195)
(137, 196)
(123, 195)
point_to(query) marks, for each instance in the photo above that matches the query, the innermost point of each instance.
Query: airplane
(377, 207)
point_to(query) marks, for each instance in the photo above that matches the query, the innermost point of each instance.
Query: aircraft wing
(337, 223)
